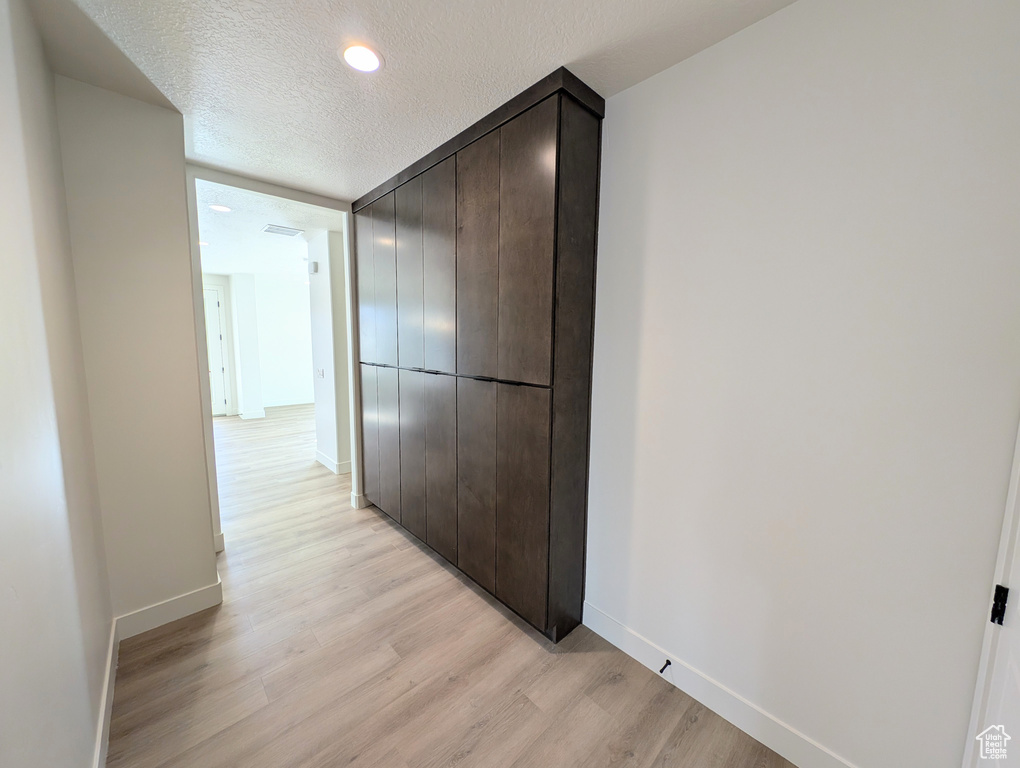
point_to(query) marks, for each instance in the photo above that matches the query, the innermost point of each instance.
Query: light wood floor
(341, 641)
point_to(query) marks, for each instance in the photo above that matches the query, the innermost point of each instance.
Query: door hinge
(221, 337)
(217, 303)
(999, 604)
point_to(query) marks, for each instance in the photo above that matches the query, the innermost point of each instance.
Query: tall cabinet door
(476, 480)
(385, 260)
(370, 431)
(527, 229)
(439, 245)
(478, 256)
(410, 301)
(365, 268)
(389, 442)
(522, 499)
(441, 464)
(412, 452)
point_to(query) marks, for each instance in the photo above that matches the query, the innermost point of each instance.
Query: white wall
(807, 368)
(245, 338)
(285, 339)
(55, 616)
(328, 305)
(124, 174)
(340, 289)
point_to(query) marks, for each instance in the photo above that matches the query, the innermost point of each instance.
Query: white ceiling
(236, 243)
(264, 93)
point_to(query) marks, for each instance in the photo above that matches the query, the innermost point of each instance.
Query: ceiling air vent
(276, 229)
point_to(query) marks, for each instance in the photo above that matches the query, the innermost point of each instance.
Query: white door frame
(1008, 544)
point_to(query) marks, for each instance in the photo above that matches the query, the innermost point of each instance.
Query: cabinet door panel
(385, 252)
(522, 500)
(441, 464)
(476, 480)
(412, 452)
(370, 432)
(477, 256)
(365, 265)
(389, 442)
(527, 228)
(439, 243)
(410, 301)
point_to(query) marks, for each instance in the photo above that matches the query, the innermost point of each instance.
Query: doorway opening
(272, 313)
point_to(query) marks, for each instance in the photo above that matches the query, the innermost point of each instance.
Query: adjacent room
(510, 384)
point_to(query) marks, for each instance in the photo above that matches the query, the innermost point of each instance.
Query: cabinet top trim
(561, 80)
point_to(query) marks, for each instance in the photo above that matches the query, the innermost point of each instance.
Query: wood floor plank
(342, 640)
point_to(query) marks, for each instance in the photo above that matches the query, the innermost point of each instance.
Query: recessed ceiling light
(220, 208)
(362, 59)
(202, 242)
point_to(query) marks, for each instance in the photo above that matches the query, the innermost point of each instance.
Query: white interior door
(214, 342)
(995, 719)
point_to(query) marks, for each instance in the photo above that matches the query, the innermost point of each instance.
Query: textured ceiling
(236, 242)
(264, 93)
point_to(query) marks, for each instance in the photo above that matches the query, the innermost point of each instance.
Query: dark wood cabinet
(522, 499)
(439, 246)
(410, 285)
(365, 263)
(384, 259)
(441, 464)
(475, 282)
(370, 431)
(412, 451)
(527, 229)
(478, 256)
(476, 480)
(388, 416)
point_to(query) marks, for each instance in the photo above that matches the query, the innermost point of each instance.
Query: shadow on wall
(616, 367)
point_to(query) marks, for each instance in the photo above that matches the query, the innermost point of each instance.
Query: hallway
(341, 641)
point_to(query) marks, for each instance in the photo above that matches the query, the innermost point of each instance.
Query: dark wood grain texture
(439, 245)
(385, 261)
(522, 499)
(370, 432)
(412, 452)
(441, 463)
(561, 80)
(482, 300)
(478, 256)
(476, 480)
(410, 279)
(389, 441)
(364, 264)
(527, 224)
(575, 317)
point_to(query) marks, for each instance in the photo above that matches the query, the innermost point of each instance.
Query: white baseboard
(754, 721)
(337, 468)
(106, 700)
(131, 624)
(259, 414)
(327, 462)
(157, 615)
(218, 543)
(360, 501)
